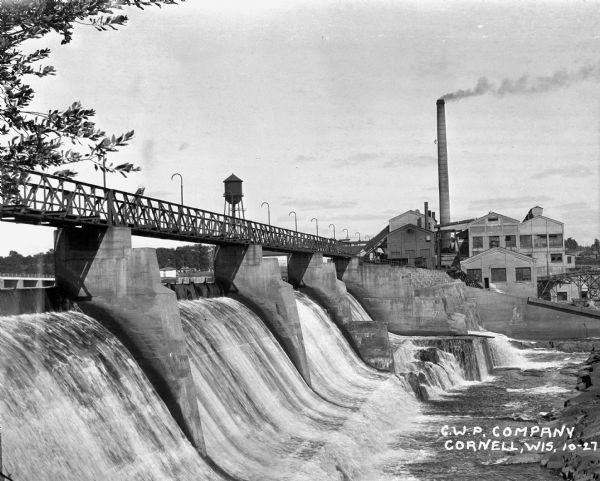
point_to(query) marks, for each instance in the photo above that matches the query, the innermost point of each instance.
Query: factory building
(537, 236)
(502, 269)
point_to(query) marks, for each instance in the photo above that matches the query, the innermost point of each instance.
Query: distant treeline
(196, 256)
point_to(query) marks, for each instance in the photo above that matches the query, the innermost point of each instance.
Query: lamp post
(180, 184)
(358, 234)
(333, 225)
(268, 211)
(317, 222)
(347, 237)
(295, 220)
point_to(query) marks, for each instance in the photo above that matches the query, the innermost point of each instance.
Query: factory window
(510, 241)
(428, 238)
(540, 240)
(569, 260)
(494, 241)
(477, 242)
(555, 257)
(523, 274)
(498, 275)
(474, 274)
(561, 297)
(555, 240)
(492, 219)
(525, 241)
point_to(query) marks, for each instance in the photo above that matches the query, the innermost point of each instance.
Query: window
(523, 274)
(561, 296)
(477, 242)
(555, 257)
(540, 240)
(498, 275)
(494, 241)
(555, 240)
(510, 241)
(474, 274)
(525, 241)
(492, 219)
(569, 260)
(428, 238)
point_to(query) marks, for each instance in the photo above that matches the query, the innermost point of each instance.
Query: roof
(457, 225)
(411, 211)
(411, 226)
(233, 178)
(495, 213)
(542, 217)
(168, 268)
(498, 249)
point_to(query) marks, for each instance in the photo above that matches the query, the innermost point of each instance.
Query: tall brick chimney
(443, 170)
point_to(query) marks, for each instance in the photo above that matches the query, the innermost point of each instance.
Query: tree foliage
(571, 244)
(197, 256)
(43, 140)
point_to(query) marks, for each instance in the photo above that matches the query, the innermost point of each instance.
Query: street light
(347, 237)
(268, 211)
(295, 219)
(358, 234)
(180, 184)
(317, 222)
(332, 225)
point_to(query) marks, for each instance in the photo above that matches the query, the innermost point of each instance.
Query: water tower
(233, 197)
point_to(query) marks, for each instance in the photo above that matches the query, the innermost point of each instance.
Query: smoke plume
(528, 85)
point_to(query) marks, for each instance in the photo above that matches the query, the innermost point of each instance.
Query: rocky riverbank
(581, 460)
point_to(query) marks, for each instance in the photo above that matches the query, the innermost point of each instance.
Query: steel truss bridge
(586, 279)
(44, 199)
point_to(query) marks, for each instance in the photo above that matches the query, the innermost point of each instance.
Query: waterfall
(260, 419)
(358, 312)
(74, 406)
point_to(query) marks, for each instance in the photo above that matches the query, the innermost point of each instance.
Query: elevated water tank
(233, 189)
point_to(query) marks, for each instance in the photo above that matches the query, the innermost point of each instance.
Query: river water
(74, 405)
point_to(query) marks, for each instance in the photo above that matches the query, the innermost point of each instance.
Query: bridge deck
(45, 199)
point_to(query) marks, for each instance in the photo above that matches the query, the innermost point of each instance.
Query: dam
(348, 370)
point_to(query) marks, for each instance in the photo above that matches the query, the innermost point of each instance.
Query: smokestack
(426, 215)
(443, 171)
(443, 163)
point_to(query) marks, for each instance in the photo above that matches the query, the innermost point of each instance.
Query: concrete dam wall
(411, 301)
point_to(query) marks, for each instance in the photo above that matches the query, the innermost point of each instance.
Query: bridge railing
(56, 200)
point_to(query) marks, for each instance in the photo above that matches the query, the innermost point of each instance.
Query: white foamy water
(547, 389)
(75, 406)
(504, 354)
(358, 312)
(260, 418)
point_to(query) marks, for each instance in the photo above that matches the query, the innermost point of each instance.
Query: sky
(327, 108)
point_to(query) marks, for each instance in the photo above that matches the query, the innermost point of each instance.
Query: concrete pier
(410, 301)
(308, 273)
(120, 287)
(244, 274)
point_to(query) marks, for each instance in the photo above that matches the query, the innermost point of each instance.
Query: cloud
(500, 204)
(573, 206)
(303, 159)
(319, 203)
(360, 158)
(570, 172)
(411, 161)
(183, 146)
(148, 152)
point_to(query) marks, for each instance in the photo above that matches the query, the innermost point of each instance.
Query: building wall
(487, 229)
(546, 246)
(540, 238)
(413, 217)
(504, 260)
(410, 243)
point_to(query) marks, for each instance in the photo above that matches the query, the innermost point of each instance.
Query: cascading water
(74, 406)
(263, 422)
(358, 312)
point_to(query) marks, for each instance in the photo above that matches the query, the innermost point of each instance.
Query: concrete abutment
(120, 287)
(244, 274)
(319, 280)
